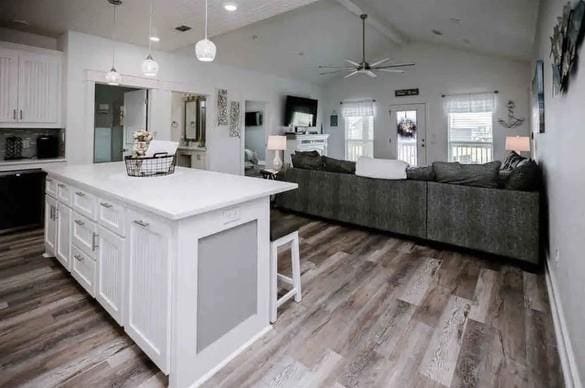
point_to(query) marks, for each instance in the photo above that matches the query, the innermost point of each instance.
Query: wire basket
(157, 165)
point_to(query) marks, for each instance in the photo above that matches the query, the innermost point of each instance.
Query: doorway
(410, 123)
(119, 111)
(254, 138)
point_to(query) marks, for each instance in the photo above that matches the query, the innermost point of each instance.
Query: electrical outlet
(26, 143)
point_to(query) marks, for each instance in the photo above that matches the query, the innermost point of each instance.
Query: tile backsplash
(29, 140)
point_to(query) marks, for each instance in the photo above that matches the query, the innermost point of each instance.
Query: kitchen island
(180, 261)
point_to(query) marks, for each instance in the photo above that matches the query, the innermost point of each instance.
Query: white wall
(85, 52)
(439, 70)
(560, 152)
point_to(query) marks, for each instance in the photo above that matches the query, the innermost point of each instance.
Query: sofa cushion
(525, 177)
(381, 168)
(310, 160)
(513, 160)
(420, 173)
(479, 175)
(337, 165)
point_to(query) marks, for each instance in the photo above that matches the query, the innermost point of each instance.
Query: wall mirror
(195, 111)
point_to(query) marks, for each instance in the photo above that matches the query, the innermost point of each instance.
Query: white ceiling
(53, 17)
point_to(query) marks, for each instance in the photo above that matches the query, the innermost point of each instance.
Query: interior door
(39, 82)
(135, 111)
(409, 124)
(8, 86)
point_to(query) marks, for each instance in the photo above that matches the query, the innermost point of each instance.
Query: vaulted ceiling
(292, 37)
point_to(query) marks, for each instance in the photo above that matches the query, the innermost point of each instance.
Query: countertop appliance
(21, 199)
(13, 148)
(47, 146)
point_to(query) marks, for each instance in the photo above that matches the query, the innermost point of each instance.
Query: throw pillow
(336, 165)
(478, 175)
(420, 173)
(381, 168)
(307, 160)
(512, 160)
(525, 177)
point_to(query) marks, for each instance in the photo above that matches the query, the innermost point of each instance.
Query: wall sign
(333, 120)
(406, 92)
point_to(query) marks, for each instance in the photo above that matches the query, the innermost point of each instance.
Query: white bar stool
(279, 240)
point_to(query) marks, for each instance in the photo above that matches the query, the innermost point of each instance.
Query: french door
(408, 133)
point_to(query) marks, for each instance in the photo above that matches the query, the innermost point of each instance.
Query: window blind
(358, 109)
(470, 103)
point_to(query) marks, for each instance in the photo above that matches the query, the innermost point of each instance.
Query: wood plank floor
(377, 311)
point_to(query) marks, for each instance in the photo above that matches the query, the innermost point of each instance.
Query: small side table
(270, 174)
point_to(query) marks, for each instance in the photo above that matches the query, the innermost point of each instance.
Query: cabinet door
(148, 315)
(84, 234)
(39, 83)
(8, 85)
(110, 267)
(50, 225)
(83, 269)
(63, 251)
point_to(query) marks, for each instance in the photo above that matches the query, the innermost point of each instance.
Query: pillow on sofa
(420, 173)
(513, 160)
(381, 168)
(525, 177)
(310, 160)
(337, 165)
(479, 175)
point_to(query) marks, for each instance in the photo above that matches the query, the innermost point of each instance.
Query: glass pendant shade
(113, 77)
(205, 50)
(149, 67)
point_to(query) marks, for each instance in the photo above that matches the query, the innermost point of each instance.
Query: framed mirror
(195, 123)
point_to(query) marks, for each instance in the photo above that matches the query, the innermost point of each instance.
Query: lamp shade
(205, 50)
(277, 143)
(149, 67)
(518, 143)
(113, 77)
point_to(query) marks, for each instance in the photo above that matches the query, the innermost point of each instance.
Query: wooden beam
(382, 26)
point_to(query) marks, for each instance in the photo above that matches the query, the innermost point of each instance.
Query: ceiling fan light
(150, 67)
(113, 77)
(205, 50)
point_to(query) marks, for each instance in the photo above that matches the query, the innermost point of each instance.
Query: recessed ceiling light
(230, 7)
(154, 39)
(437, 32)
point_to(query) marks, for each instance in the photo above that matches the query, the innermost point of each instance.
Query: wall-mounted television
(300, 112)
(253, 119)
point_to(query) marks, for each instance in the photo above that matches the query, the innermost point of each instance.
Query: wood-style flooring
(377, 311)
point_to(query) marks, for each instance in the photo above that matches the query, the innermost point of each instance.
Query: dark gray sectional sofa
(497, 221)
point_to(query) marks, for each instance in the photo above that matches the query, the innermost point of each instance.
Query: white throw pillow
(381, 168)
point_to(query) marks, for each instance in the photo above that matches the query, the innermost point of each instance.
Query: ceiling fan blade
(352, 62)
(351, 74)
(331, 72)
(371, 73)
(391, 70)
(336, 67)
(396, 65)
(379, 62)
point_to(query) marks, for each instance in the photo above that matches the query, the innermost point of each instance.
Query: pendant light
(150, 66)
(113, 77)
(205, 49)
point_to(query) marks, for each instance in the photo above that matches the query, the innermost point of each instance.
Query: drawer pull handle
(79, 222)
(79, 193)
(94, 244)
(141, 223)
(78, 257)
(106, 205)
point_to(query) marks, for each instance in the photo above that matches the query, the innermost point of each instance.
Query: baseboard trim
(568, 363)
(229, 358)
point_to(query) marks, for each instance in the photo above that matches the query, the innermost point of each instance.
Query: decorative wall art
(513, 121)
(235, 119)
(333, 120)
(222, 107)
(565, 41)
(538, 98)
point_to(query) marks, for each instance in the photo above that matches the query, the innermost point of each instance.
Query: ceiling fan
(364, 67)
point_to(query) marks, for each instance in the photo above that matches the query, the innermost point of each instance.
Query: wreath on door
(406, 128)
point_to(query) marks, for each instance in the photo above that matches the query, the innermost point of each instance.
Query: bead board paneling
(38, 85)
(8, 86)
(111, 254)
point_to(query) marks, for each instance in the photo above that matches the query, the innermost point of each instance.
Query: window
(470, 125)
(359, 129)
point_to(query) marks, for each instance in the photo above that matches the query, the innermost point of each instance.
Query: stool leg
(273, 281)
(296, 267)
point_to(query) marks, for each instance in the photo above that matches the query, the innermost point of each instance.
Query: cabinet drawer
(64, 193)
(51, 187)
(84, 234)
(112, 215)
(84, 202)
(83, 269)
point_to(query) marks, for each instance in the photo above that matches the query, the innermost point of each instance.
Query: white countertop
(185, 193)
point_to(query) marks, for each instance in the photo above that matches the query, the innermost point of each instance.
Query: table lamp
(518, 143)
(277, 144)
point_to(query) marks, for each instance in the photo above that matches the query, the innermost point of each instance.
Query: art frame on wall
(234, 119)
(222, 107)
(538, 98)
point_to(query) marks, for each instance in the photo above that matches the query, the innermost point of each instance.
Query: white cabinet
(63, 245)
(83, 269)
(84, 203)
(50, 224)
(148, 272)
(8, 86)
(30, 87)
(112, 215)
(84, 234)
(110, 271)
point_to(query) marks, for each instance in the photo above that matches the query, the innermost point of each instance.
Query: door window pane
(406, 127)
